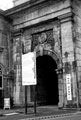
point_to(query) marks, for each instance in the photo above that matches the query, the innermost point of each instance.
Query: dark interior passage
(0, 81)
(47, 82)
(1, 98)
(1, 93)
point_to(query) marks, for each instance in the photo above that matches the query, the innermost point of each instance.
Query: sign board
(29, 69)
(68, 85)
(68, 79)
(6, 103)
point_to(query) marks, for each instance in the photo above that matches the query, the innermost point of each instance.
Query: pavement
(42, 112)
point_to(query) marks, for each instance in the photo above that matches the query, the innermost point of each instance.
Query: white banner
(68, 85)
(29, 69)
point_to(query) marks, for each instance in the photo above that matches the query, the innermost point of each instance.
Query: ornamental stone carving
(56, 36)
(47, 40)
(43, 39)
(26, 43)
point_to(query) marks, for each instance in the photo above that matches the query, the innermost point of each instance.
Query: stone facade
(53, 30)
(4, 57)
(18, 2)
(77, 40)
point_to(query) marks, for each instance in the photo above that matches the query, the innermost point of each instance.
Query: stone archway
(47, 81)
(1, 86)
(55, 63)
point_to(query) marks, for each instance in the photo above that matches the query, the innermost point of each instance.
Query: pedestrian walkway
(42, 112)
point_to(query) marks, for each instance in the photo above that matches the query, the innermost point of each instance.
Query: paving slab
(42, 112)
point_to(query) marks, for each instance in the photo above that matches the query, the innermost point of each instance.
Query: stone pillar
(17, 67)
(74, 85)
(60, 88)
(17, 88)
(67, 47)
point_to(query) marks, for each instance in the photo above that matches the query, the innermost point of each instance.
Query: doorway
(47, 81)
(1, 93)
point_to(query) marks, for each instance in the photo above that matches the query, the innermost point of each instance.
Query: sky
(6, 4)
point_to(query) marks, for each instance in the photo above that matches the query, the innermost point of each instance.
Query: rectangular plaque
(68, 85)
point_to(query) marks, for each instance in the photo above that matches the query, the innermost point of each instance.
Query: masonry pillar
(67, 56)
(61, 89)
(17, 53)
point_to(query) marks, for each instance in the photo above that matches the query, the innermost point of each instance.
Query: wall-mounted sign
(68, 86)
(29, 69)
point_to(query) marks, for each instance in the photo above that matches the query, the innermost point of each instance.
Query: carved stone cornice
(17, 32)
(26, 5)
(65, 17)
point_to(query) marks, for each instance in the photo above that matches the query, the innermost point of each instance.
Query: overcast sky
(6, 4)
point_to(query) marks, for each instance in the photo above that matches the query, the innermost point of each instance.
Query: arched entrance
(1, 87)
(47, 81)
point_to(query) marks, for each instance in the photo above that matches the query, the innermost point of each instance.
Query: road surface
(75, 116)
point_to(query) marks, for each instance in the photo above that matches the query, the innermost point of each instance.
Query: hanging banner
(68, 85)
(29, 69)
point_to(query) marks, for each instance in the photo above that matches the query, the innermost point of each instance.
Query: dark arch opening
(47, 81)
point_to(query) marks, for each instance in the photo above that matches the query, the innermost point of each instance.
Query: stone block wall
(30, 19)
(40, 13)
(4, 53)
(68, 57)
(76, 9)
(17, 53)
(3, 42)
